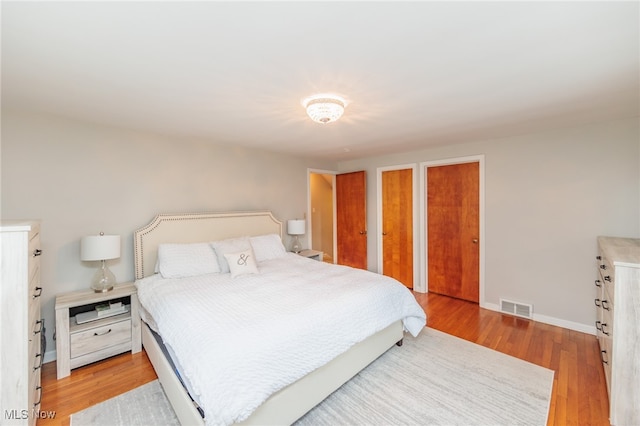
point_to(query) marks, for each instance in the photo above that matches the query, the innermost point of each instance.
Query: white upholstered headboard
(196, 228)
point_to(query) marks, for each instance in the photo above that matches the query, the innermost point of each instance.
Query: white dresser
(21, 323)
(618, 325)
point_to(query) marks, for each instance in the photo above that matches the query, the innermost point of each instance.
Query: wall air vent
(523, 310)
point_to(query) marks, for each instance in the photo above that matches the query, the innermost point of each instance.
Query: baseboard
(583, 328)
(49, 356)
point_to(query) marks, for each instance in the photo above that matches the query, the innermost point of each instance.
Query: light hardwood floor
(579, 392)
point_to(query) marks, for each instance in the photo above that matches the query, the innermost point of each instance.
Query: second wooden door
(397, 225)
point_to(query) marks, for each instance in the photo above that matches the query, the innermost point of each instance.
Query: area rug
(144, 405)
(434, 379)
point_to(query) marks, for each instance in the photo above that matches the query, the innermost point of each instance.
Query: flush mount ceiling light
(324, 108)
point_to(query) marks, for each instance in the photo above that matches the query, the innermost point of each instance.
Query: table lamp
(101, 247)
(296, 227)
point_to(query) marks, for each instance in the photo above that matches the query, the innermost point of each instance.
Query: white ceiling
(414, 73)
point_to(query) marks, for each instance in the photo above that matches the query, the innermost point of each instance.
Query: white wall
(548, 196)
(80, 179)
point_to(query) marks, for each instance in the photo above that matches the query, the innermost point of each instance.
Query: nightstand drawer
(94, 339)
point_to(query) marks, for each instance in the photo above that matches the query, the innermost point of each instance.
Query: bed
(181, 366)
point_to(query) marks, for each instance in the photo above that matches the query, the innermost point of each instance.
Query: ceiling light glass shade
(324, 108)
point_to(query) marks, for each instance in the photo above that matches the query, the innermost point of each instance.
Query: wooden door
(453, 230)
(351, 219)
(397, 225)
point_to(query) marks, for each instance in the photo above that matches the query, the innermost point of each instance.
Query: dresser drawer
(33, 258)
(34, 350)
(608, 294)
(34, 316)
(34, 294)
(606, 352)
(607, 322)
(94, 339)
(607, 271)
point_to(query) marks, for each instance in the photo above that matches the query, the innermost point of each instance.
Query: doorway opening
(321, 208)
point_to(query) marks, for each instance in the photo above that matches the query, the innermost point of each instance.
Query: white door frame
(414, 198)
(424, 276)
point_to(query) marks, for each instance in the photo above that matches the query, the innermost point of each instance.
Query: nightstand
(312, 254)
(91, 341)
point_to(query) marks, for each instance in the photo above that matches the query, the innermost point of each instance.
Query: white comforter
(240, 340)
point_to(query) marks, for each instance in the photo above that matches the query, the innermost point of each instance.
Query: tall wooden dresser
(618, 325)
(21, 324)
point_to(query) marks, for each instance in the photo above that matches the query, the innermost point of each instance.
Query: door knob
(363, 232)
(384, 233)
(474, 241)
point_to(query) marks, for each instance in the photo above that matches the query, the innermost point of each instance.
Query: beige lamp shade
(100, 247)
(296, 227)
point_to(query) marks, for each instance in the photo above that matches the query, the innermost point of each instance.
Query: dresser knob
(596, 302)
(598, 283)
(607, 278)
(37, 252)
(602, 354)
(605, 305)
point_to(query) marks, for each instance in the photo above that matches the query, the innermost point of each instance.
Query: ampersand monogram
(244, 258)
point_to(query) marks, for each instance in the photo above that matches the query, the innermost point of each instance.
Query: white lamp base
(103, 280)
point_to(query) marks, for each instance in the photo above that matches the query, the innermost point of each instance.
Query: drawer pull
(602, 354)
(604, 324)
(598, 325)
(40, 363)
(39, 389)
(102, 334)
(605, 305)
(603, 266)
(598, 257)
(37, 252)
(598, 283)
(38, 292)
(607, 278)
(40, 323)
(596, 302)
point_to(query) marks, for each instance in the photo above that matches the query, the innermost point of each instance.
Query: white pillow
(267, 247)
(242, 263)
(232, 245)
(186, 260)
